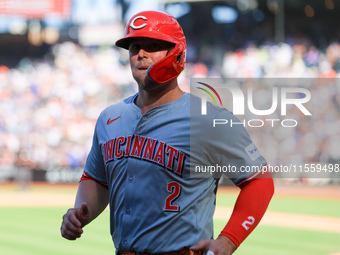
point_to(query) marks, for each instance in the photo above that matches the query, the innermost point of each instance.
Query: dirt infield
(39, 195)
(35, 199)
(44, 195)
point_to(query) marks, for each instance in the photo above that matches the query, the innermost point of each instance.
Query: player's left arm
(250, 206)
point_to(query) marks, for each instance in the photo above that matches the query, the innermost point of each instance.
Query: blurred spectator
(24, 166)
(49, 109)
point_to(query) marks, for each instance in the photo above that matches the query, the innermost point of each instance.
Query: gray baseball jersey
(156, 206)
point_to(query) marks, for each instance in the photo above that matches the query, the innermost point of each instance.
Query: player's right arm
(92, 198)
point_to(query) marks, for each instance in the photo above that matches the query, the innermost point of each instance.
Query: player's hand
(74, 221)
(221, 246)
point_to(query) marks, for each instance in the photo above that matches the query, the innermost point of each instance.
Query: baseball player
(140, 159)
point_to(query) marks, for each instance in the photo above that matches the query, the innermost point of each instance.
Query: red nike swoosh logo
(109, 121)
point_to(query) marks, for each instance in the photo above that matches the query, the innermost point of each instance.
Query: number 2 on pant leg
(175, 190)
(250, 221)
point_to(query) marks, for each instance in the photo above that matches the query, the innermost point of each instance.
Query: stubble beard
(147, 84)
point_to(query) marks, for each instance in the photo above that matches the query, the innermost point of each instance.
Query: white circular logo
(132, 25)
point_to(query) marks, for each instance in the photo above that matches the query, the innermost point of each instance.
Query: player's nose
(142, 53)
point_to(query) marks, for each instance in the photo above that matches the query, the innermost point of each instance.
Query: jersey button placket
(129, 195)
(125, 243)
(128, 210)
(138, 117)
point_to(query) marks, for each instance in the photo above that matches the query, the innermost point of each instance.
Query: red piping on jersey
(244, 181)
(87, 177)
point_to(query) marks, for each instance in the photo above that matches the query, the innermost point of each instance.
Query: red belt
(180, 252)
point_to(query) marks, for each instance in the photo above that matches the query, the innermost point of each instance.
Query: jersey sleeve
(94, 166)
(231, 147)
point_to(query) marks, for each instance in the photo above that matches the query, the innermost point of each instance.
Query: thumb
(202, 245)
(84, 209)
(83, 214)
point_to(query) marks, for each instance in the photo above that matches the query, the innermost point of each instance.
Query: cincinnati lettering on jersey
(144, 148)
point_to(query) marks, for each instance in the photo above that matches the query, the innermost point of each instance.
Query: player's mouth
(143, 67)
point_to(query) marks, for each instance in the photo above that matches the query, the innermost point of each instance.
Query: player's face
(145, 52)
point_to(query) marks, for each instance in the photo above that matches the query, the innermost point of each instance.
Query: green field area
(36, 230)
(32, 231)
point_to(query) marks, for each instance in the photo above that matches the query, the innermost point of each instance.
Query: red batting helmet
(161, 26)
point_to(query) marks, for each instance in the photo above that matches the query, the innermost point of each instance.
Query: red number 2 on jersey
(175, 190)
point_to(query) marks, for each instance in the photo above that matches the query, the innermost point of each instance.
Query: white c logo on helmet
(140, 26)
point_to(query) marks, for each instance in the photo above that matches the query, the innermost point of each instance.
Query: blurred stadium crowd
(49, 107)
